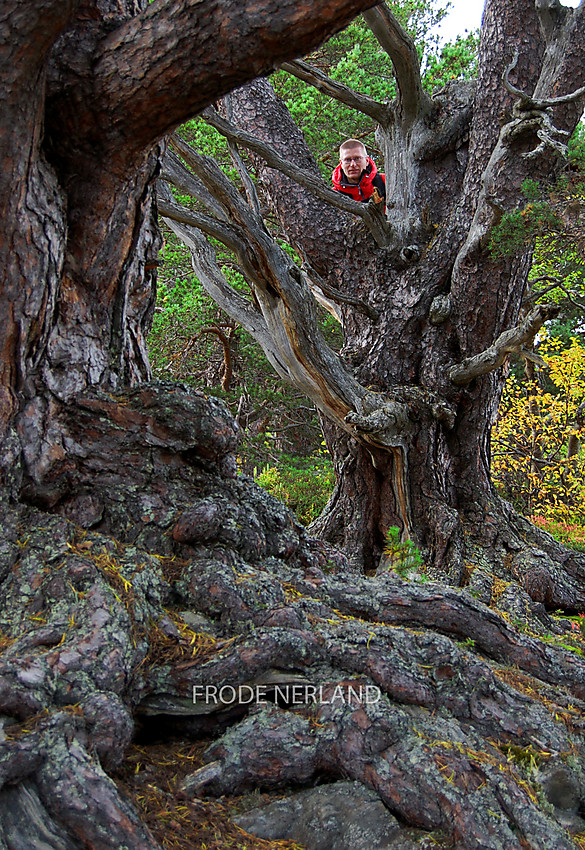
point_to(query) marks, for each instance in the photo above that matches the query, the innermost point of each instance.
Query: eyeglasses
(349, 159)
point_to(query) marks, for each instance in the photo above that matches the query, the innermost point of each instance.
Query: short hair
(351, 144)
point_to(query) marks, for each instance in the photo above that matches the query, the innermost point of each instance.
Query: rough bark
(427, 362)
(85, 103)
(161, 571)
(135, 564)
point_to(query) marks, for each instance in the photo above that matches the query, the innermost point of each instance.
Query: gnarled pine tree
(135, 564)
(429, 316)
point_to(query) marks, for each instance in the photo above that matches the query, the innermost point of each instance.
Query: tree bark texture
(159, 570)
(85, 104)
(135, 564)
(441, 306)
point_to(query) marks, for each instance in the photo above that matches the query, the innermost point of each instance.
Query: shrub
(538, 461)
(304, 484)
(402, 556)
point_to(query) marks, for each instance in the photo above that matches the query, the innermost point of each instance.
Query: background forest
(538, 458)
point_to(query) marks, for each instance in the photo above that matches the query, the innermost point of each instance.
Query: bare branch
(526, 101)
(380, 112)
(327, 303)
(223, 190)
(523, 123)
(522, 96)
(174, 172)
(533, 296)
(316, 282)
(227, 354)
(169, 210)
(371, 216)
(402, 51)
(289, 333)
(225, 296)
(558, 101)
(533, 357)
(511, 340)
(287, 327)
(249, 186)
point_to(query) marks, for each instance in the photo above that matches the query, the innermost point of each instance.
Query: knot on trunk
(386, 425)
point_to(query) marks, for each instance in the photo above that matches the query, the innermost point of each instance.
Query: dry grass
(150, 778)
(184, 649)
(561, 708)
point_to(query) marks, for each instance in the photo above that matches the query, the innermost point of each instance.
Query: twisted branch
(380, 112)
(371, 216)
(400, 47)
(512, 340)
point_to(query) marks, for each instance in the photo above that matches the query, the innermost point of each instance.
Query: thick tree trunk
(84, 104)
(440, 297)
(134, 564)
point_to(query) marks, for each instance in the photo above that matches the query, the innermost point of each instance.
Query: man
(357, 175)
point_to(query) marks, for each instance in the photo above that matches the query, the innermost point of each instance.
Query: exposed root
(457, 714)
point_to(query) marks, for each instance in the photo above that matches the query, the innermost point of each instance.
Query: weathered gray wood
(382, 113)
(413, 102)
(508, 342)
(120, 504)
(454, 164)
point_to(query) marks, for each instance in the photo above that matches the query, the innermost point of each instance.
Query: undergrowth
(304, 484)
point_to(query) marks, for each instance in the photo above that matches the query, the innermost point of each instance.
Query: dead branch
(382, 113)
(367, 212)
(510, 341)
(414, 102)
(220, 230)
(527, 102)
(249, 186)
(319, 287)
(214, 282)
(227, 354)
(174, 172)
(215, 181)
(294, 344)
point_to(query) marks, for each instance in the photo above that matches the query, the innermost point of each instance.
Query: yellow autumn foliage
(538, 454)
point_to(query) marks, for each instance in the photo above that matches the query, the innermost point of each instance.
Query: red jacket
(371, 179)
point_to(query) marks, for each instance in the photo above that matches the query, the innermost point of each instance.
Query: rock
(563, 790)
(341, 816)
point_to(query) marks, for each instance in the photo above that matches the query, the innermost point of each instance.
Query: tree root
(454, 712)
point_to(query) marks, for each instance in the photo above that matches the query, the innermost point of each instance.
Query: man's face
(353, 161)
